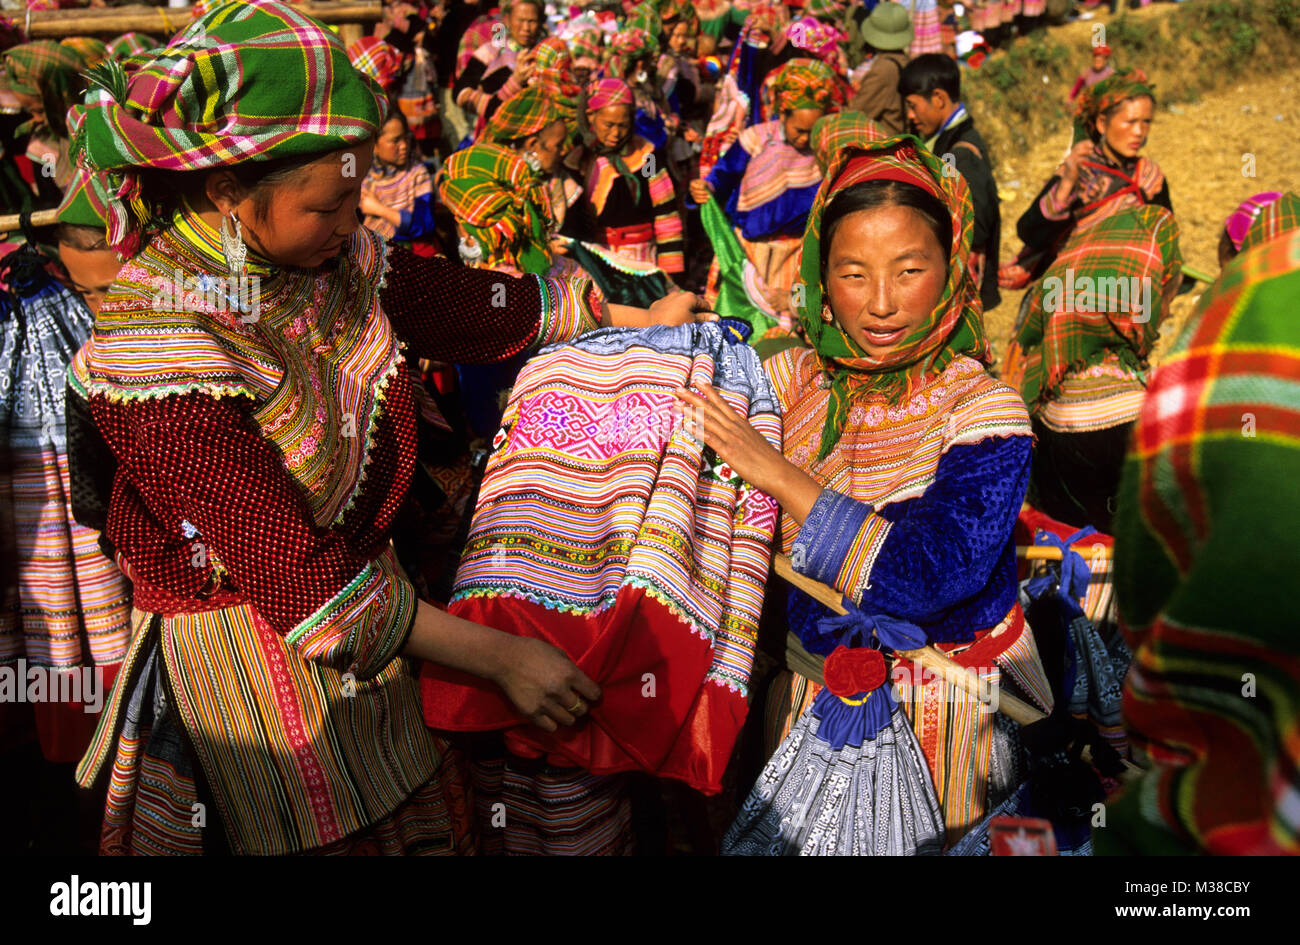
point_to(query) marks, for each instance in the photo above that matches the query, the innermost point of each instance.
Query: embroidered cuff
(364, 625)
(1051, 209)
(568, 310)
(839, 543)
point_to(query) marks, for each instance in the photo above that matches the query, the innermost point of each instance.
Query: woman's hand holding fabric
(713, 421)
(544, 684)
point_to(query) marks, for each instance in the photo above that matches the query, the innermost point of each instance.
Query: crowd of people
(402, 439)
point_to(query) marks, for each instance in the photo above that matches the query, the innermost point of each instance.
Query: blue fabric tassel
(1069, 583)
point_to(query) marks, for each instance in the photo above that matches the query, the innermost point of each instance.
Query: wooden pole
(929, 657)
(164, 22)
(11, 221)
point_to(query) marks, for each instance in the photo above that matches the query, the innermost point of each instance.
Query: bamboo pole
(1097, 552)
(163, 22)
(10, 221)
(929, 657)
(1198, 274)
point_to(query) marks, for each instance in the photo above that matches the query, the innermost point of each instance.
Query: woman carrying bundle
(253, 464)
(767, 180)
(1103, 173)
(905, 464)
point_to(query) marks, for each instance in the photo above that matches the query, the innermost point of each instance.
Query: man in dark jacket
(931, 89)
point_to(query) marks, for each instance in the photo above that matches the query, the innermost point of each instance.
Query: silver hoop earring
(233, 247)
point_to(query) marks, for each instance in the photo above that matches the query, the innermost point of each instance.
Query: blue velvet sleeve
(944, 546)
(418, 221)
(725, 179)
(941, 559)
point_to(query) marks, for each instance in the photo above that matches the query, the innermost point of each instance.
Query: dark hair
(395, 114)
(873, 194)
(929, 73)
(79, 236)
(165, 191)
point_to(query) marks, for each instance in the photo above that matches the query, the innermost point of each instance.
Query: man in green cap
(885, 36)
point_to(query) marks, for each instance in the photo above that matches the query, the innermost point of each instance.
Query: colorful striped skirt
(925, 28)
(65, 608)
(162, 800)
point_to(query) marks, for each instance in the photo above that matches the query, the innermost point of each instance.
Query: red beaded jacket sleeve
(447, 312)
(205, 515)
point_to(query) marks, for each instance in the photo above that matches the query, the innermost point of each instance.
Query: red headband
(864, 167)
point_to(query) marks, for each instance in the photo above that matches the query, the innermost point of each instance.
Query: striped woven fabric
(1100, 396)
(598, 530)
(925, 28)
(1205, 554)
(774, 166)
(551, 811)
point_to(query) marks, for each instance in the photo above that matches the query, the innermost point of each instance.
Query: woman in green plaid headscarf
(248, 432)
(47, 79)
(244, 83)
(500, 206)
(902, 469)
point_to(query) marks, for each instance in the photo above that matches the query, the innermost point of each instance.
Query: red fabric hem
(657, 713)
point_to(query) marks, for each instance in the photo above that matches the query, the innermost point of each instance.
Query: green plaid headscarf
(522, 115)
(554, 76)
(1280, 216)
(86, 202)
(955, 327)
(49, 71)
(1137, 243)
(244, 82)
(801, 83)
(1115, 88)
(832, 133)
(499, 201)
(131, 44)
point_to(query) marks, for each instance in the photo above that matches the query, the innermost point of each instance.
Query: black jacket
(971, 158)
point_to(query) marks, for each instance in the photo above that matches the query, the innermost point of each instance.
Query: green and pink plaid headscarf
(855, 153)
(1279, 217)
(48, 70)
(244, 82)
